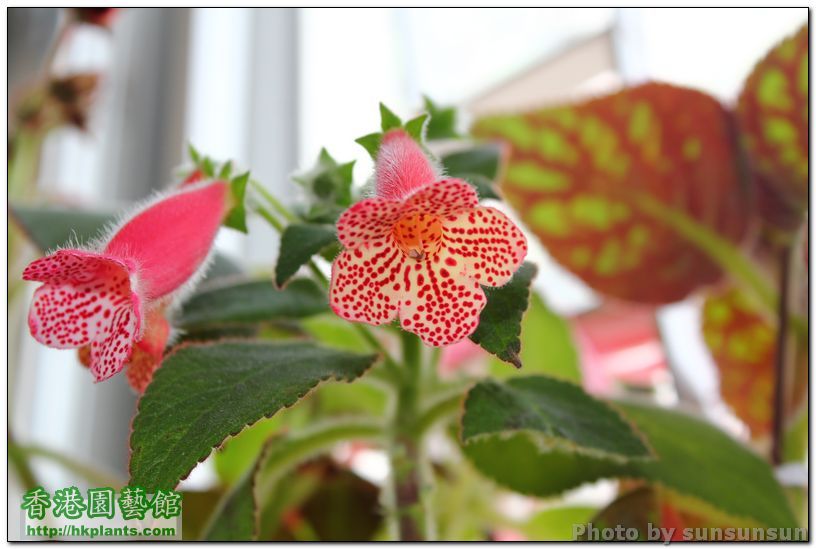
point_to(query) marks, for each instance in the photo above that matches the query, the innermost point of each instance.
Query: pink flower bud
(98, 297)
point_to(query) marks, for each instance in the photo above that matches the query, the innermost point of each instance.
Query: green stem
(270, 218)
(272, 201)
(410, 519)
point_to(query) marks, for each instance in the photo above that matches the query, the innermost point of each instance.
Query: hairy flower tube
(104, 297)
(421, 249)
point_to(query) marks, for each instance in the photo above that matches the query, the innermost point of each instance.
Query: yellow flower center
(418, 235)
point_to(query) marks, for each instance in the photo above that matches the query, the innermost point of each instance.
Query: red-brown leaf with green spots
(773, 115)
(743, 344)
(575, 173)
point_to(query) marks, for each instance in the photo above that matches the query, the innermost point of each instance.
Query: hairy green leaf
(203, 394)
(299, 243)
(500, 322)
(483, 160)
(693, 459)
(236, 218)
(251, 301)
(554, 414)
(388, 120)
(442, 124)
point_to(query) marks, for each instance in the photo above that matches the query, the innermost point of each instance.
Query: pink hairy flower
(101, 297)
(421, 249)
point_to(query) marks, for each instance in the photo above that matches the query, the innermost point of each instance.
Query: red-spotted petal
(439, 304)
(401, 166)
(171, 239)
(365, 282)
(443, 198)
(368, 220)
(86, 298)
(484, 244)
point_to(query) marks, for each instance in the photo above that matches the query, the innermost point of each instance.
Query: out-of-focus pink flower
(420, 249)
(459, 355)
(619, 342)
(101, 297)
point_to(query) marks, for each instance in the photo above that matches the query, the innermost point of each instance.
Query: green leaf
(194, 156)
(208, 166)
(234, 517)
(51, 227)
(388, 120)
(442, 124)
(483, 160)
(556, 524)
(416, 127)
(204, 394)
(694, 459)
(500, 322)
(226, 172)
(371, 143)
(299, 242)
(554, 414)
(251, 301)
(329, 188)
(236, 218)
(546, 346)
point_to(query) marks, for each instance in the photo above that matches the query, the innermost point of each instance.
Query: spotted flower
(421, 249)
(103, 298)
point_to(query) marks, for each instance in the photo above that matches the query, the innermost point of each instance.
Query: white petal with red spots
(440, 305)
(86, 298)
(368, 220)
(365, 282)
(489, 247)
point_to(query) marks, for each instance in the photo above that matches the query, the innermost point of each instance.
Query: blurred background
(268, 88)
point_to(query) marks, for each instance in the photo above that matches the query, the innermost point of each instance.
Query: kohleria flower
(101, 297)
(420, 249)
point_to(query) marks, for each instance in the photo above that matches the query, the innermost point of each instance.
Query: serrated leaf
(202, 394)
(442, 124)
(499, 326)
(483, 160)
(388, 120)
(773, 111)
(416, 127)
(577, 174)
(693, 458)
(236, 218)
(250, 302)
(371, 143)
(546, 346)
(52, 227)
(554, 414)
(299, 242)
